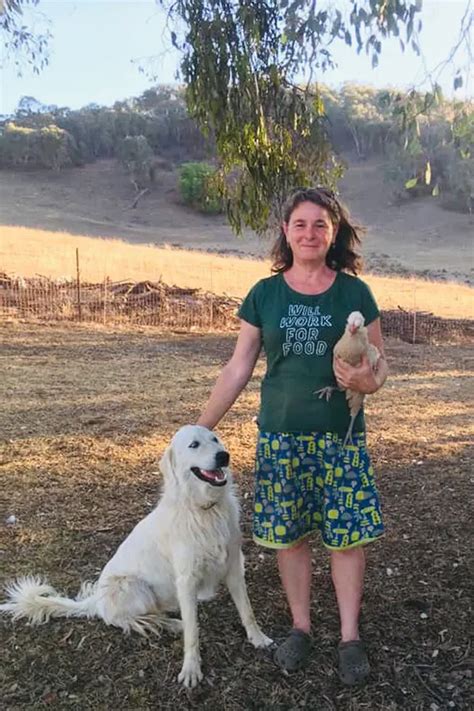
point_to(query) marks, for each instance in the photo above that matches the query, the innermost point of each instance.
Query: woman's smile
(309, 231)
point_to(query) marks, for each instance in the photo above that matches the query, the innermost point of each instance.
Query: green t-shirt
(299, 332)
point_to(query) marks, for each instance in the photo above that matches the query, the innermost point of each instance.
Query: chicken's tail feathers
(33, 598)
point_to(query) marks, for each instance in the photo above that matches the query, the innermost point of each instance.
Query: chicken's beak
(353, 329)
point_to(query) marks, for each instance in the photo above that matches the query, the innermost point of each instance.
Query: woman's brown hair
(342, 254)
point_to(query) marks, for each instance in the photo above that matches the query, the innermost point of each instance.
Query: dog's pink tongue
(215, 474)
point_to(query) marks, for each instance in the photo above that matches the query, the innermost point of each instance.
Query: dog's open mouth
(214, 477)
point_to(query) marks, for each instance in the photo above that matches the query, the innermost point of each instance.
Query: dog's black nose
(222, 459)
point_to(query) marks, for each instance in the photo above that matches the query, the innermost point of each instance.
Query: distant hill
(416, 237)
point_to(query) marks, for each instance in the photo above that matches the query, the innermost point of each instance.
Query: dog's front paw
(258, 639)
(191, 674)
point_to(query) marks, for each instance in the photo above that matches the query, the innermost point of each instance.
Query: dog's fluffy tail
(35, 599)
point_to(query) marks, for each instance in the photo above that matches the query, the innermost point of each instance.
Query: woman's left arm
(363, 378)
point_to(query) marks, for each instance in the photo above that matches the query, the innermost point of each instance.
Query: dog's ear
(167, 465)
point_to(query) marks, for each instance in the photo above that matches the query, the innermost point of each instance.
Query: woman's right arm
(234, 376)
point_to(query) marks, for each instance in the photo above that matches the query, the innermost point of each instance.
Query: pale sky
(95, 42)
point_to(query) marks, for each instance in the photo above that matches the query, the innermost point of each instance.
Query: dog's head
(196, 461)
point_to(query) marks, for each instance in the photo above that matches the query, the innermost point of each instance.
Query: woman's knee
(295, 549)
(346, 554)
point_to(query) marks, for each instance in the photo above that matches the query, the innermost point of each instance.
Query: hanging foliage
(20, 42)
(243, 63)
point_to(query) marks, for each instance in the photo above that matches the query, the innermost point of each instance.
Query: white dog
(174, 557)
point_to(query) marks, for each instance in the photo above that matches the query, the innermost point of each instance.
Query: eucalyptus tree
(249, 68)
(22, 43)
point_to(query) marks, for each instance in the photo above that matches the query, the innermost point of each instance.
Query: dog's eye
(214, 439)
(194, 444)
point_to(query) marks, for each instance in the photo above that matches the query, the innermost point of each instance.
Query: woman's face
(309, 232)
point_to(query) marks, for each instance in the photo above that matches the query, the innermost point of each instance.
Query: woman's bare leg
(295, 572)
(348, 569)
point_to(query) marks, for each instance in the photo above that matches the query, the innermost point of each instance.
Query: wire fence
(124, 302)
(147, 303)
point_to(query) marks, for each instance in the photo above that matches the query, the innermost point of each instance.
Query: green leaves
(241, 61)
(21, 43)
(411, 183)
(428, 173)
(200, 187)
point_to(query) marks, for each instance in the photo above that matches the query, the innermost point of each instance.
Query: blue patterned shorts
(306, 482)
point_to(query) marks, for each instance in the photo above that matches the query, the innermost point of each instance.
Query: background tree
(423, 139)
(46, 147)
(136, 156)
(431, 149)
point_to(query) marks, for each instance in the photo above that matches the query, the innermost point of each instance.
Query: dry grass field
(85, 415)
(29, 252)
(45, 216)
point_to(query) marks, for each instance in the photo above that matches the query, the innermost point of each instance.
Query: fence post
(79, 306)
(413, 340)
(105, 299)
(211, 312)
(211, 326)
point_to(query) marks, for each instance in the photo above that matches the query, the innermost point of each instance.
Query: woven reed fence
(170, 307)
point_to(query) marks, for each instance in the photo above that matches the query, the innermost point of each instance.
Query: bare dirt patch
(85, 415)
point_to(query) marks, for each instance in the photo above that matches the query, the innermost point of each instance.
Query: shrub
(199, 188)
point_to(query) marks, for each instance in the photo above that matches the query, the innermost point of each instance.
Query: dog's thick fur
(174, 557)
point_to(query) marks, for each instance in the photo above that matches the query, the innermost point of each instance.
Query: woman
(305, 479)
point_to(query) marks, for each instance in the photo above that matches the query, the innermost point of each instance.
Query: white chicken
(352, 345)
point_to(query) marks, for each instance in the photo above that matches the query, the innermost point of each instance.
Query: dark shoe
(293, 653)
(353, 663)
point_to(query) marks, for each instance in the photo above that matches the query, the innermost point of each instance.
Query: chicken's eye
(194, 445)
